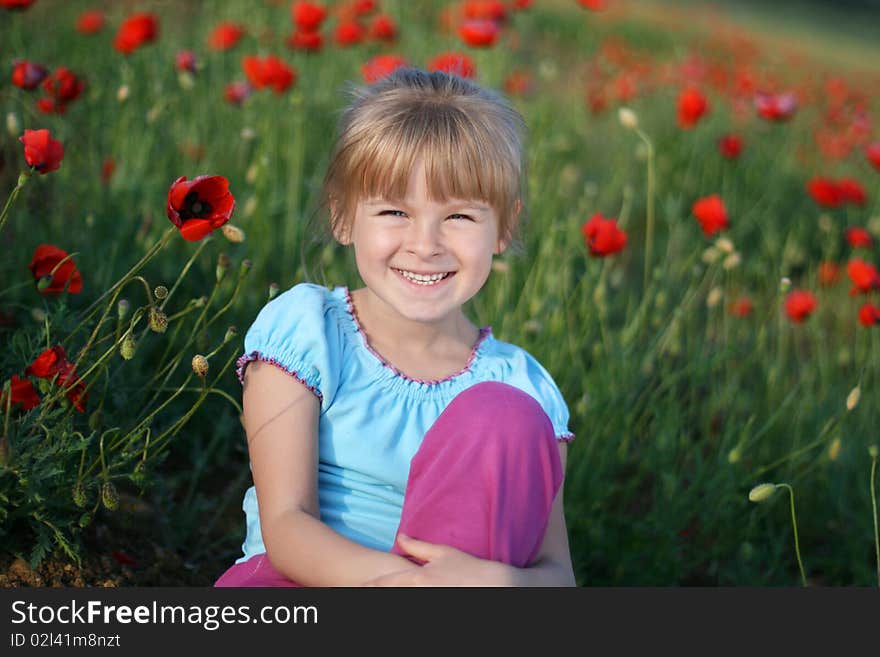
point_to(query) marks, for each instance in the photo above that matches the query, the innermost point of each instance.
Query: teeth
(423, 280)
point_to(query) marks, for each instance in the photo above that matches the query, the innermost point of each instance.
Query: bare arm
(281, 421)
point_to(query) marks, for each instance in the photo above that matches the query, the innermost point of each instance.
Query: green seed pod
(85, 519)
(79, 495)
(109, 496)
(245, 267)
(160, 292)
(231, 333)
(873, 452)
(122, 308)
(761, 492)
(128, 346)
(139, 475)
(222, 266)
(158, 320)
(273, 290)
(44, 282)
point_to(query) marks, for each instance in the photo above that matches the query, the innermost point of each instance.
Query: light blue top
(373, 417)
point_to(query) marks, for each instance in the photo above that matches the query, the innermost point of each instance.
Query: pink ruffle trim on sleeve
(256, 355)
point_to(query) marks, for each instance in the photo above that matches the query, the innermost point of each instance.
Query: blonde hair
(471, 140)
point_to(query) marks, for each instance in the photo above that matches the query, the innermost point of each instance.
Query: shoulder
(520, 368)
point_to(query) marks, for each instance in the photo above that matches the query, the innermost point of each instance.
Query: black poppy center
(194, 207)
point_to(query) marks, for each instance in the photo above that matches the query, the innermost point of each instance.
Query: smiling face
(401, 247)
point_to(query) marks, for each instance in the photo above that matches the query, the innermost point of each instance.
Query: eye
(394, 213)
(466, 217)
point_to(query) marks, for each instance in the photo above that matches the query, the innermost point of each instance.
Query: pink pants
(483, 481)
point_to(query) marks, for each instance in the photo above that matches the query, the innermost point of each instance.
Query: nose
(424, 239)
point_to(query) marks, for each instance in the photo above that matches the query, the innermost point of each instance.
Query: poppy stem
(874, 508)
(22, 179)
(797, 548)
(649, 209)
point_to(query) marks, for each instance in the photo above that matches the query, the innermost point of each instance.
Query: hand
(444, 566)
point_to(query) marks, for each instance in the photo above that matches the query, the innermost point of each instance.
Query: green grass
(661, 387)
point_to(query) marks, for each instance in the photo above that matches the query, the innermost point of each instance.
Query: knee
(504, 407)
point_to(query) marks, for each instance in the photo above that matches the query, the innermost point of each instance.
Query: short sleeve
(297, 332)
(531, 377)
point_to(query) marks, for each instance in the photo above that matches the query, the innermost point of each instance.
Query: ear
(504, 241)
(340, 232)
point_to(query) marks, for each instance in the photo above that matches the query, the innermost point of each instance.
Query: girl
(391, 441)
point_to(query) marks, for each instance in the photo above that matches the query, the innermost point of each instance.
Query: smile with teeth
(421, 279)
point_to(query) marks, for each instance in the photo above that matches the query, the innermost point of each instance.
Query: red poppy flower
(454, 63)
(361, 7)
(185, 61)
(225, 36)
(23, 393)
(200, 205)
(828, 273)
(237, 92)
(53, 362)
(799, 305)
(63, 85)
(308, 41)
(123, 559)
(863, 275)
(90, 22)
(711, 214)
(519, 83)
(135, 31)
(593, 5)
(491, 9)
(603, 236)
(107, 170)
(41, 151)
(730, 146)
(869, 315)
(382, 28)
(858, 237)
(16, 4)
(742, 307)
(381, 66)
(48, 258)
(825, 191)
(851, 191)
(479, 33)
(349, 33)
(307, 16)
(268, 72)
(692, 105)
(28, 75)
(50, 106)
(776, 107)
(872, 152)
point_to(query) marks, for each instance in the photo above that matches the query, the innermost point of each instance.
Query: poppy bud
(85, 519)
(79, 495)
(724, 244)
(222, 266)
(732, 261)
(200, 365)
(231, 332)
(710, 255)
(761, 492)
(245, 267)
(128, 346)
(273, 290)
(39, 315)
(250, 207)
(873, 452)
(200, 302)
(139, 475)
(628, 118)
(122, 309)
(95, 420)
(44, 282)
(852, 399)
(161, 292)
(714, 297)
(834, 449)
(784, 284)
(250, 175)
(158, 320)
(109, 496)
(233, 233)
(12, 125)
(123, 93)
(248, 134)
(734, 455)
